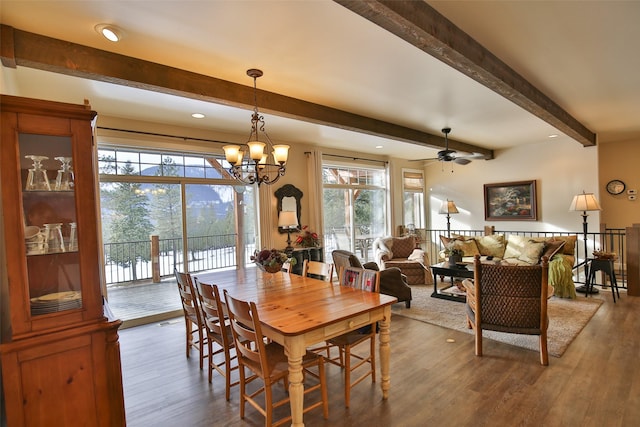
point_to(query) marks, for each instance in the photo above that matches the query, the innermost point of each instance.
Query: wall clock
(615, 186)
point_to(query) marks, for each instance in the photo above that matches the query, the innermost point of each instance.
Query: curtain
(314, 184)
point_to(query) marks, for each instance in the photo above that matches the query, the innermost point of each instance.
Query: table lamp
(584, 202)
(288, 220)
(448, 207)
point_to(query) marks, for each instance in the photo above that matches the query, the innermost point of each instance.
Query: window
(163, 211)
(413, 198)
(354, 206)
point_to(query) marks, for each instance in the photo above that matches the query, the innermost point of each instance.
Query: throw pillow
(492, 245)
(531, 252)
(403, 246)
(570, 243)
(515, 246)
(551, 248)
(416, 255)
(465, 243)
(469, 247)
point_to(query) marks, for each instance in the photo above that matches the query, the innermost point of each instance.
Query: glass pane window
(354, 206)
(413, 199)
(163, 212)
(127, 162)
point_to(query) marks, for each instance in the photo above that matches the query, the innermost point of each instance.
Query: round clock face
(615, 186)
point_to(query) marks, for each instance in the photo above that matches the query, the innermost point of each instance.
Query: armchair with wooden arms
(392, 281)
(509, 298)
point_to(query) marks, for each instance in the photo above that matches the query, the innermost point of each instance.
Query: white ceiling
(582, 54)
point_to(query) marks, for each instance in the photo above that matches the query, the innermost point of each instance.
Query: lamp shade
(288, 219)
(584, 202)
(448, 207)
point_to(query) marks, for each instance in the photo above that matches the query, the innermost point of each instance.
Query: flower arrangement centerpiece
(308, 239)
(272, 260)
(455, 254)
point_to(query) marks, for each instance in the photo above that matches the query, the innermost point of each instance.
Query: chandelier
(256, 167)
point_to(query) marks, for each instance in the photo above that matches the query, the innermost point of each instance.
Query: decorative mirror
(288, 200)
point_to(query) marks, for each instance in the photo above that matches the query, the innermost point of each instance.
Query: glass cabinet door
(50, 227)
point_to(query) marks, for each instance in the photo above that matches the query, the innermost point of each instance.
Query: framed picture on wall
(510, 201)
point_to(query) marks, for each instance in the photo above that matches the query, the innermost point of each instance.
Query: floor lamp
(448, 207)
(288, 220)
(585, 202)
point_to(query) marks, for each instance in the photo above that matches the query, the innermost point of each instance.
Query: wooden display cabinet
(60, 355)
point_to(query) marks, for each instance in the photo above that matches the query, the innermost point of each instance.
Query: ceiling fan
(447, 155)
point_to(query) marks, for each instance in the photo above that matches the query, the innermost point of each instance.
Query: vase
(272, 268)
(454, 259)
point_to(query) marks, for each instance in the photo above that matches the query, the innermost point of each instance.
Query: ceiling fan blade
(423, 160)
(462, 161)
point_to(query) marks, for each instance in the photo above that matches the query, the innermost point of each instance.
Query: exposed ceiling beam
(421, 25)
(21, 48)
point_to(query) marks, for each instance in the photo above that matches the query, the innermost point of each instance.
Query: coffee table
(444, 269)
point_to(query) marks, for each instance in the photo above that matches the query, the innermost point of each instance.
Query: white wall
(561, 170)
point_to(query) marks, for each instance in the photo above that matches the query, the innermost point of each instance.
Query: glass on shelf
(73, 238)
(37, 179)
(64, 179)
(54, 241)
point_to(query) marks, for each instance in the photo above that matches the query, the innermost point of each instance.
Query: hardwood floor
(433, 382)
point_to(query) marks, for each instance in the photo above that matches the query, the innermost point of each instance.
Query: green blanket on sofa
(561, 277)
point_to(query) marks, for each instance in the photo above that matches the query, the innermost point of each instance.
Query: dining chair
(369, 281)
(317, 269)
(218, 333)
(267, 361)
(192, 319)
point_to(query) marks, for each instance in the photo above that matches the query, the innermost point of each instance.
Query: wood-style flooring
(433, 382)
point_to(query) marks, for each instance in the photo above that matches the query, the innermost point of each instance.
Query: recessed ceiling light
(379, 146)
(553, 135)
(109, 32)
(197, 116)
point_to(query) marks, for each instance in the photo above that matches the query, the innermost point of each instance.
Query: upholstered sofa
(392, 281)
(521, 250)
(401, 252)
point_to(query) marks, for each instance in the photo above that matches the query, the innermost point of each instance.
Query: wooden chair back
(187, 296)
(317, 269)
(247, 334)
(212, 310)
(360, 278)
(192, 315)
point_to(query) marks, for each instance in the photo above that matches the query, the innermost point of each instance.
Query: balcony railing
(134, 261)
(609, 240)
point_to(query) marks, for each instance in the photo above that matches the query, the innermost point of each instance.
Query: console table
(310, 254)
(444, 269)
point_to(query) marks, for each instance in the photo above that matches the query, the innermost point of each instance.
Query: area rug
(567, 317)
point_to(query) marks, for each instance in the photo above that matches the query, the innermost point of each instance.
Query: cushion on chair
(403, 246)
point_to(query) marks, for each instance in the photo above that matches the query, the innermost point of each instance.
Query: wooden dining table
(298, 312)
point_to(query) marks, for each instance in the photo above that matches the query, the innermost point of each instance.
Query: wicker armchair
(509, 298)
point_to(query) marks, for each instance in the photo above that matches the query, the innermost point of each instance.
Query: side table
(606, 266)
(445, 270)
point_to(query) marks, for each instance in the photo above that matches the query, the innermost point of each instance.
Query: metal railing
(130, 262)
(609, 240)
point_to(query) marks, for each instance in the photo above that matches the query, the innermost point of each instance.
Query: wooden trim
(58, 56)
(423, 27)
